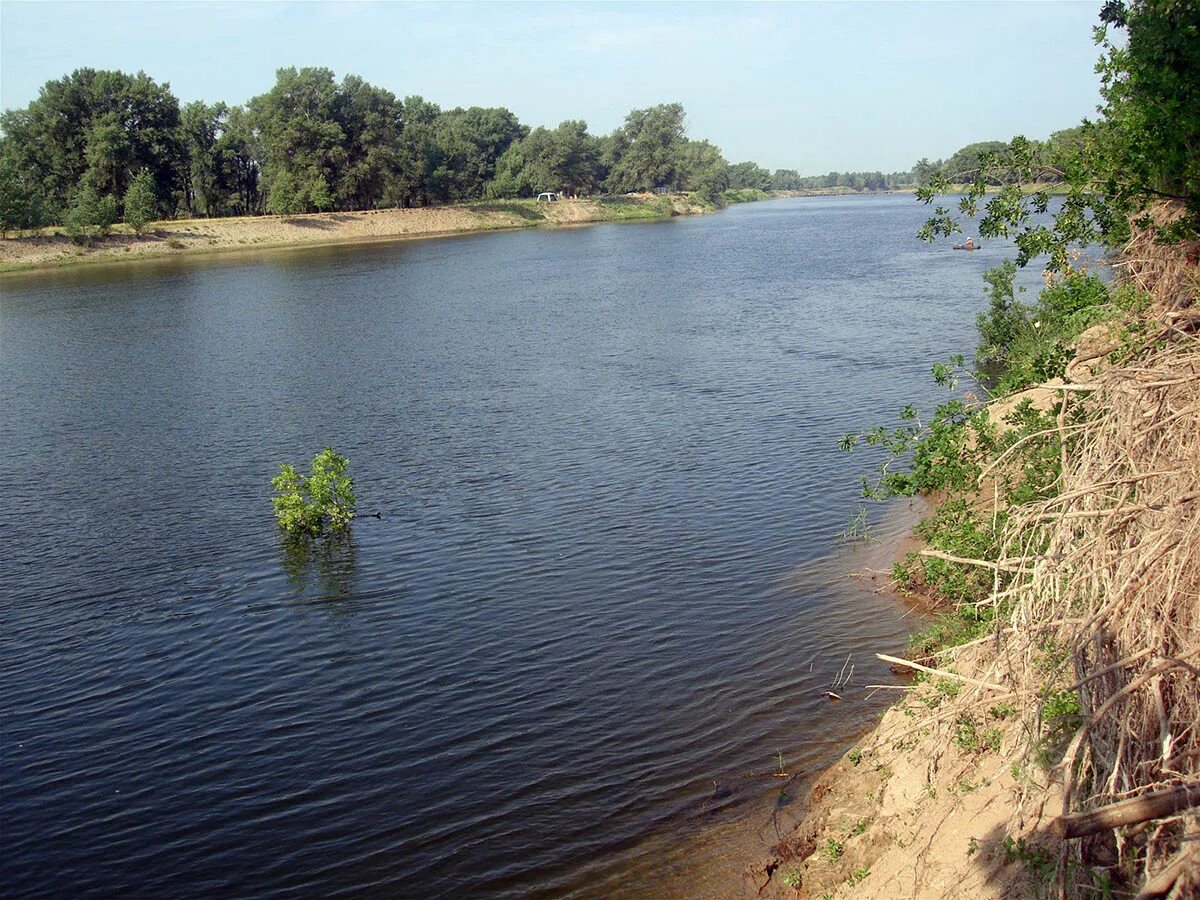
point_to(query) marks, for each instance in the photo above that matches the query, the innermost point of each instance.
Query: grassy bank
(1048, 745)
(52, 248)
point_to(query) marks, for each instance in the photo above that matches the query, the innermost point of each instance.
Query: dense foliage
(319, 501)
(95, 140)
(314, 143)
(791, 180)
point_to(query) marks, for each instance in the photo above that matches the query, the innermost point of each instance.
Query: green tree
(1147, 146)
(91, 215)
(372, 120)
(968, 163)
(141, 205)
(644, 153)
(701, 168)
(287, 195)
(564, 159)
(785, 180)
(239, 152)
(572, 157)
(518, 173)
(204, 185)
(319, 501)
(21, 201)
(749, 175)
(409, 186)
(98, 127)
(302, 139)
(463, 148)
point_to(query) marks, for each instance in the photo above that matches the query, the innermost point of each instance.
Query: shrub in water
(323, 499)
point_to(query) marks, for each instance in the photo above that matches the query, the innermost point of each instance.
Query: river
(604, 586)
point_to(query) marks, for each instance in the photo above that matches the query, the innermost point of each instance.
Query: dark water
(605, 464)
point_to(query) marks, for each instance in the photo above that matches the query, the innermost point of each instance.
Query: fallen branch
(964, 561)
(1154, 805)
(941, 673)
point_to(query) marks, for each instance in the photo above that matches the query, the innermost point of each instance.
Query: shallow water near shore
(603, 589)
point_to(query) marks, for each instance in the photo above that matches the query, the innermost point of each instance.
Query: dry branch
(941, 673)
(1154, 805)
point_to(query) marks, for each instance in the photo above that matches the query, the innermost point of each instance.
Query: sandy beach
(51, 248)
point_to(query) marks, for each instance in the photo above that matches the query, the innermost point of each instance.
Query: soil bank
(50, 248)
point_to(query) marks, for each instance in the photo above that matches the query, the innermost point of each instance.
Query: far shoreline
(52, 251)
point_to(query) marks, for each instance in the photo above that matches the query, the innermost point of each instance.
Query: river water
(604, 587)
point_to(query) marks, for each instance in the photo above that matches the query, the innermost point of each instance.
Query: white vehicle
(547, 197)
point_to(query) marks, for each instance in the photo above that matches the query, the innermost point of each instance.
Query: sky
(818, 86)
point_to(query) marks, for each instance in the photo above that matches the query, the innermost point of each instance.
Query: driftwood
(1154, 805)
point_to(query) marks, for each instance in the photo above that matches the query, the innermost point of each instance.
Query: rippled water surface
(604, 576)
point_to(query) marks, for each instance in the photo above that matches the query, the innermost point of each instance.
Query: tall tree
(98, 127)
(749, 175)
(21, 199)
(372, 120)
(967, 163)
(565, 159)
(239, 151)
(204, 186)
(644, 152)
(303, 142)
(464, 147)
(700, 167)
(410, 186)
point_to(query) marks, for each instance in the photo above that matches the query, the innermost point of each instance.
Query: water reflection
(321, 568)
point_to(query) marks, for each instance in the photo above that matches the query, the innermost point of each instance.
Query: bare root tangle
(1108, 604)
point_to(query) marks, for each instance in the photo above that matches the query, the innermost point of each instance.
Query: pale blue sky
(812, 86)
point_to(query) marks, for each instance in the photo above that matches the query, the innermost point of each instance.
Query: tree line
(97, 147)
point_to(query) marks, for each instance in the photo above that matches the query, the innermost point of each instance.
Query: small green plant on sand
(319, 501)
(970, 738)
(791, 878)
(833, 850)
(858, 875)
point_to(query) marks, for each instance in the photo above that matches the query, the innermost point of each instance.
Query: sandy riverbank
(925, 806)
(50, 248)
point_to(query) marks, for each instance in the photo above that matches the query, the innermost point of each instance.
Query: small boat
(969, 245)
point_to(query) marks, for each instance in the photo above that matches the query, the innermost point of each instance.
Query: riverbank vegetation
(313, 143)
(1065, 549)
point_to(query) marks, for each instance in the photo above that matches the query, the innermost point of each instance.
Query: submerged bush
(323, 499)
